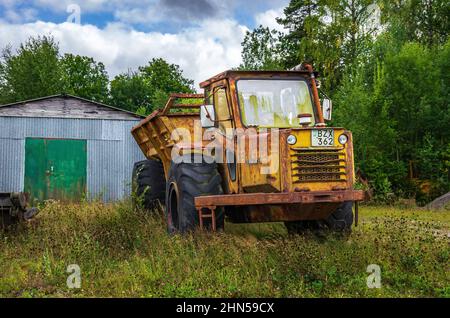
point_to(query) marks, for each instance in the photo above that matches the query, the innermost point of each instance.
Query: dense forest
(384, 63)
(386, 66)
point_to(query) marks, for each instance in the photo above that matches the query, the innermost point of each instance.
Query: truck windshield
(271, 103)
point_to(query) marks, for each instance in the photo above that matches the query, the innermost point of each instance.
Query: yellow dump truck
(253, 148)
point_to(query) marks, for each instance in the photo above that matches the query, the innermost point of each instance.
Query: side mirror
(327, 109)
(207, 116)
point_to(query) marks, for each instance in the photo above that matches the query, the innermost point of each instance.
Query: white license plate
(322, 138)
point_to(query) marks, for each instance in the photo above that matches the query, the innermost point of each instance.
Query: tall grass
(125, 252)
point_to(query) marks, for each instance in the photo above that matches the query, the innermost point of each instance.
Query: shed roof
(65, 106)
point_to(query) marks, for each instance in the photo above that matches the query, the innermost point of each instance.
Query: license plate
(322, 138)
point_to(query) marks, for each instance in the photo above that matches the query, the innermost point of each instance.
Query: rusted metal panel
(156, 135)
(251, 172)
(249, 74)
(279, 207)
(280, 198)
(281, 213)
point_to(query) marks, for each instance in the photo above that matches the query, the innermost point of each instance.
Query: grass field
(126, 253)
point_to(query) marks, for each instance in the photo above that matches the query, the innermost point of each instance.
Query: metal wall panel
(12, 164)
(112, 151)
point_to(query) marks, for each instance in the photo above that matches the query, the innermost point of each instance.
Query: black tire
(149, 183)
(300, 227)
(340, 221)
(187, 181)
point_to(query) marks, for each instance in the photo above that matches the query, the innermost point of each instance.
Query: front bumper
(289, 198)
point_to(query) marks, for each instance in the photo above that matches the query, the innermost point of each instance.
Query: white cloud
(201, 52)
(20, 15)
(11, 12)
(268, 19)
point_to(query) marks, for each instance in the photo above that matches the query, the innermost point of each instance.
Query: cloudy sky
(202, 36)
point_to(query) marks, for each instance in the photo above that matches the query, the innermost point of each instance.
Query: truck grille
(318, 165)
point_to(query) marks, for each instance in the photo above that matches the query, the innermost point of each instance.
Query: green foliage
(33, 72)
(149, 87)
(261, 50)
(401, 97)
(389, 81)
(129, 91)
(82, 76)
(37, 70)
(142, 110)
(423, 21)
(165, 77)
(330, 34)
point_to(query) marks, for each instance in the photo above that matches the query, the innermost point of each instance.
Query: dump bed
(154, 133)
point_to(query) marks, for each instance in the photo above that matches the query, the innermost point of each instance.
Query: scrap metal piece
(13, 209)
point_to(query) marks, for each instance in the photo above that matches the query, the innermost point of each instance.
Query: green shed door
(55, 168)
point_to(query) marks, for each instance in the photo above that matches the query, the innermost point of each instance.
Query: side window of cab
(222, 110)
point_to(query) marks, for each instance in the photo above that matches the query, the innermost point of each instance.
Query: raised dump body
(154, 134)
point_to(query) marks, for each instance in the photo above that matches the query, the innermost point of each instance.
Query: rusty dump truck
(253, 148)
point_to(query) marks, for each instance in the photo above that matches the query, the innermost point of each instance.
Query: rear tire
(149, 183)
(340, 221)
(187, 181)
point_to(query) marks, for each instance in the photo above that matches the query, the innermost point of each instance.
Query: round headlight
(291, 140)
(343, 139)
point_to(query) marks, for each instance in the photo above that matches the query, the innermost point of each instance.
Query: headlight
(291, 140)
(343, 139)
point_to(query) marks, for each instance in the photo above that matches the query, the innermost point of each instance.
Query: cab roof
(253, 74)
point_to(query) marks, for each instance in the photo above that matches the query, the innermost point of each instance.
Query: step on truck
(255, 147)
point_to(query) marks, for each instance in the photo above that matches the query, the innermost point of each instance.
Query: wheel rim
(172, 209)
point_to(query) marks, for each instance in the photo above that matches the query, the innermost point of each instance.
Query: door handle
(49, 172)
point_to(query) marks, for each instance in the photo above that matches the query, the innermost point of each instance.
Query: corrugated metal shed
(111, 150)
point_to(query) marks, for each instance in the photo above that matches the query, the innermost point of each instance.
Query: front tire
(187, 181)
